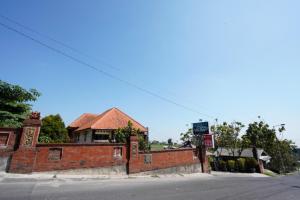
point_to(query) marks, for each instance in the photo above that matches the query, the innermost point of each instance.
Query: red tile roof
(110, 120)
(83, 119)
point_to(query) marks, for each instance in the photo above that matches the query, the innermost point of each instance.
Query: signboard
(208, 140)
(200, 128)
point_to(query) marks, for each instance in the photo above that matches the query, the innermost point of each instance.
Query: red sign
(208, 140)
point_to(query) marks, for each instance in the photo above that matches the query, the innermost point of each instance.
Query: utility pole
(278, 147)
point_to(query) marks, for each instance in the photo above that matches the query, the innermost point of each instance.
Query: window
(78, 137)
(101, 137)
(55, 154)
(118, 152)
(147, 158)
(85, 136)
(4, 139)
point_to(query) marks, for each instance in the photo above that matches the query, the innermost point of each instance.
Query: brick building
(92, 128)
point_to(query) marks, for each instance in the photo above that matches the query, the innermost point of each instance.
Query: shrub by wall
(222, 165)
(231, 165)
(241, 164)
(251, 164)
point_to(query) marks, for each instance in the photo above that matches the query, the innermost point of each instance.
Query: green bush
(251, 163)
(142, 143)
(231, 165)
(211, 163)
(45, 139)
(241, 164)
(222, 165)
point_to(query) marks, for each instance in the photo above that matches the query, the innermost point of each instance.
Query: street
(171, 188)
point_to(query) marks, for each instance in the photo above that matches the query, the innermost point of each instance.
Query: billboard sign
(200, 128)
(208, 140)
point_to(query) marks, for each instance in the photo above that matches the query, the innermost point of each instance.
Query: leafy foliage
(14, 104)
(231, 165)
(222, 165)
(262, 136)
(241, 164)
(122, 135)
(257, 135)
(53, 130)
(187, 136)
(170, 142)
(251, 163)
(227, 136)
(143, 145)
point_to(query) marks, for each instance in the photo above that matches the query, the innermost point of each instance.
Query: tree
(122, 134)
(187, 136)
(14, 104)
(154, 142)
(262, 136)
(170, 142)
(53, 130)
(227, 136)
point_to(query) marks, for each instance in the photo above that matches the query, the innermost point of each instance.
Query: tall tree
(14, 104)
(262, 136)
(228, 137)
(122, 135)
(187, 136)
(53, 130)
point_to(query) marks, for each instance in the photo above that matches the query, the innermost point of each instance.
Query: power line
(102, 62)
(63, 44)
(102, 71)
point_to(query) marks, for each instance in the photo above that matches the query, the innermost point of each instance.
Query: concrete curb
(229, 174)
(50, 176)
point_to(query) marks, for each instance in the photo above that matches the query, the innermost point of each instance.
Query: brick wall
(23, 161)
(75, 156)
(53, 157)
(155, 160)
(12, 139)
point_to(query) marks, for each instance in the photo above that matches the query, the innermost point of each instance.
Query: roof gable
(111, 119)
(82, 119)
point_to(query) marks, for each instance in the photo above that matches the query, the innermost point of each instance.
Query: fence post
(23, 159)
(133, 155)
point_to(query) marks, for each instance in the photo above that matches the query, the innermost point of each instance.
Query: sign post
(204, 139)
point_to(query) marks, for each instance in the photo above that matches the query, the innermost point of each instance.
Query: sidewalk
(82, 177)
(53, 176)
(230, 174)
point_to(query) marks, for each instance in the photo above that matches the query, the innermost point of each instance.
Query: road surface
(217, 187)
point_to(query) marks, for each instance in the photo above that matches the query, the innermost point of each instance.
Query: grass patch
(270, 173)
(160, 147)
(157, 147)
(154, 176)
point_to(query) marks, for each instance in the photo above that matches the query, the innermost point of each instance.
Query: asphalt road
(171, 188)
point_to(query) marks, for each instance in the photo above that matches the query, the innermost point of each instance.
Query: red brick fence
(29, 156)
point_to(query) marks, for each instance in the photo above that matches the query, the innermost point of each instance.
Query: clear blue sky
(233, 60)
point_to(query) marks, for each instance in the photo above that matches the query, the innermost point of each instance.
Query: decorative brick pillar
(23, 159)
(133, 155)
